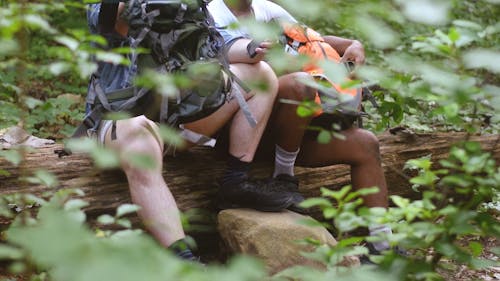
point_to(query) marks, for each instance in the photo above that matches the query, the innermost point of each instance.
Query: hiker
(293, 143)
(140, 135)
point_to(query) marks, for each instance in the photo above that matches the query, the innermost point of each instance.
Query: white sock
(284, 161)
(376, 230)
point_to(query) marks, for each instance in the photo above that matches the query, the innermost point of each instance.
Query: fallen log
(191, 176)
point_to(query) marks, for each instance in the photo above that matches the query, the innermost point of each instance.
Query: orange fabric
(313, 45)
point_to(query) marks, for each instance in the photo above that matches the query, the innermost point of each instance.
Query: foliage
(434, 57)
(430, 228)
(58, 242)
(438, 57)
(45, 51)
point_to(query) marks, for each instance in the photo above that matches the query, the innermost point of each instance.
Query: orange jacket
(304, 40)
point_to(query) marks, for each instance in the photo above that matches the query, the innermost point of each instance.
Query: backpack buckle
(180, 13)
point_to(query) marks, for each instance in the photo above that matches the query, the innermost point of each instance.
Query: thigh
(251, 74)
(137, 133)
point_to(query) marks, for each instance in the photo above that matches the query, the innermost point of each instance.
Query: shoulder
(215, 4)
(267, 11)
(220, 12)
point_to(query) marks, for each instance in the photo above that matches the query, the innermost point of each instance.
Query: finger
(359, 60)
(261, 50)
(346, 58)
(265, 44)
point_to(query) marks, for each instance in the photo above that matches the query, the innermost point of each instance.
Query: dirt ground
(462, 273)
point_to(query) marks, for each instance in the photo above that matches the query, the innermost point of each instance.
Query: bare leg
(243, 138)
(288, 127)
(148, 189)
(360, 149)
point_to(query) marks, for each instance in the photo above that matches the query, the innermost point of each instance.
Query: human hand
(354, 53)
(263, 47)
(258, 48)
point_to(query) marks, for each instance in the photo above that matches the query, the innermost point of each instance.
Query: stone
(14, 136)
(273, 237)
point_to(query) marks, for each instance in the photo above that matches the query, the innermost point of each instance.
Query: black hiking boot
(289, 184)
(250, 194)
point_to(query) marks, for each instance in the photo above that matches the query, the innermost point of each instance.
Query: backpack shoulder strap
(300, 33)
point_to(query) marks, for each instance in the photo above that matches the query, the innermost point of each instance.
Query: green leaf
(483, 58)
(13, 156)
(304, 110)
(105, 219)
(425, 179)
(476, 248)
(400, 201)
(377, 31)
(58, 68)
(312, 202)
(348, 221)
(126, 209)
(141, 161)
(8, 252)
(124, 222)
(324, 137)
(451, 110)
(32, 102)
(330, 213)
(467, 24)
(86, 68)
(105, 158)
(67, 41)
(426, 11)
(8, 47)
(110, 57)
(310, 222)
(171, 136)
(368, 190)
(44, 178)
(117, 115)
(38, 22)
(33, 200)
(75, 204)
(350, 241)
(453, 35)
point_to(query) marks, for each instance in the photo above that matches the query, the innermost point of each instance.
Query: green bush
(435, 65)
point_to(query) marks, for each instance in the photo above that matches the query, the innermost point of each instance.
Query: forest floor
(453, 273)
(463, 273)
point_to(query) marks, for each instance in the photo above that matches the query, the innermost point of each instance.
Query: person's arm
(121, 25)
(350, 50)
(241, 52)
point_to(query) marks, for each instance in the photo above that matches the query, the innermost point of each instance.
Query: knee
(291, 87)
(369, 144)
(139, 135)
(268, 77)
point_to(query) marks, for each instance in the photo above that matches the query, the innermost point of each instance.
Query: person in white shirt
(293, 143)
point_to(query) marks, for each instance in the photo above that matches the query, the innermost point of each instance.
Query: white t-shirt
(263, 10)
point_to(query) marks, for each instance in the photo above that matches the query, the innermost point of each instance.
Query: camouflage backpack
(180, 37)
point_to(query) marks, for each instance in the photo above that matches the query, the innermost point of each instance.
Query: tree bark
(191, 176)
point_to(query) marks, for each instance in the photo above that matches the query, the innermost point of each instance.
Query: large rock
(17, 136)
(273, 237)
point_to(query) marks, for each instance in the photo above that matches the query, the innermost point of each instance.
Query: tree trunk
(191, 176)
